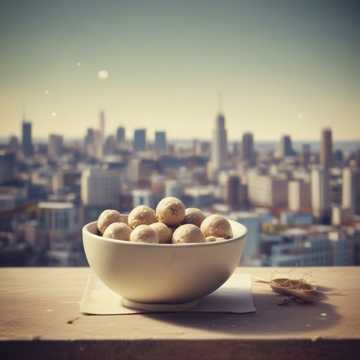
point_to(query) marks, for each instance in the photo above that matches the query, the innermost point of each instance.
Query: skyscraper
(351, 189)
(320, 193)
(305, 155)
(219, 150)
(140, 139)
(247, 149)
(7, 167)
(55, 146)
(102, 124)
(232, 192)
(326, 148)
(27, 145)
(285, 147)
(160, 141)
(299, 195)
(100, 187)
(120, 135)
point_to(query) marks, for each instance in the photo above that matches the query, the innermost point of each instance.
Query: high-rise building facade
(219, 146)
(120, 135)
(299, 193)
(58, 221)
(160, 141)
(247, 149)
(305, 156)
(7, 167)
(232, 192)
(320, 192)
(55, 146)
(285, 147)
(102, 124)
(252, 222)
(351, 189)
(140, 139)
(100, 187)
(326, 148)
(267, 190)
(27, 144)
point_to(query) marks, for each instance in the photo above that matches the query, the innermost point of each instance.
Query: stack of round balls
(169, 223)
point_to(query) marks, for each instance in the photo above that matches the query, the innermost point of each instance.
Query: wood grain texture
(40, 313)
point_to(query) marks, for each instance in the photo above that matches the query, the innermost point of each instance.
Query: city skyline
(161, 65)
(151, 133)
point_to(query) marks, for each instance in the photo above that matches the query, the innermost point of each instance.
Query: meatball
(164, 233)
(217, 226)
(194, 216)
(108, 217)
(170, 211)
(141, 215)
(118, 231)
(187, 233)
(144, 233)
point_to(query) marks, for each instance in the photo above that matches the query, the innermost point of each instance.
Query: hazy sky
(281, 66)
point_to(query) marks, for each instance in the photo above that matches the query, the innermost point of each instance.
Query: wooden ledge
(40, 316)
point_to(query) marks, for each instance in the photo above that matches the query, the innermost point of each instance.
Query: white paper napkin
(233, 297)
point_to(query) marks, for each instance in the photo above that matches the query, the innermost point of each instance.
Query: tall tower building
(305, 155)
(160, 141)
(140, 139)
(320, 192)
(27, 144)
(326, 148)
(120, 135)
(219, 150)
(247, 149)
(55, 146)
(102, 124)
(285, 147)
(299, 195)
(7, 166)
(232, 192)
(351, 189)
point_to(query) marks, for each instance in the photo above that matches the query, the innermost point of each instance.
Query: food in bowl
(145, 234)
(118, 231)
(163, 273)
(170, 211)
(217, 226)
(141, 215)
(170, 223)
(164, 232)
(107, 217)
(188, 233)
(194, 216)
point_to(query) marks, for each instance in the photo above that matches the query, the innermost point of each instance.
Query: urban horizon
(3, 139)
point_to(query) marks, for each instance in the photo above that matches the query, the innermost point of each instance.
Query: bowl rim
(85, 230)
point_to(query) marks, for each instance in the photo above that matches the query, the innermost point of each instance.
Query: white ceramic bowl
(163, 273)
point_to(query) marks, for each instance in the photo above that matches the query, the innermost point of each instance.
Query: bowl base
(158, 307)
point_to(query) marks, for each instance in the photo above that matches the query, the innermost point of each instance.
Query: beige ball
(108, 217)
(141, 215)
(194, 216)
(164, 233)
(144, 233)
(187, 233)
(217, 226)
(170, 211)
(118, 231)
